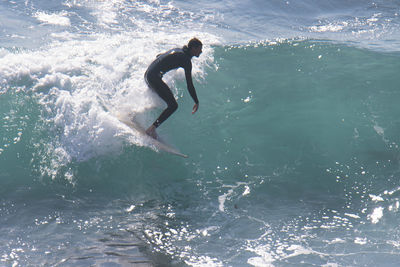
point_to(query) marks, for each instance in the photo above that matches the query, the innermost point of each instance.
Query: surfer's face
(196, 51)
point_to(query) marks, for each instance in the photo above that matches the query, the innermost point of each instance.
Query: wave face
(294, 152)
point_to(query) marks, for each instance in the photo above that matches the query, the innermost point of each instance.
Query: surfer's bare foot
(152, 132)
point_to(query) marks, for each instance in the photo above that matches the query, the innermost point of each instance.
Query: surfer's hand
(195, 108)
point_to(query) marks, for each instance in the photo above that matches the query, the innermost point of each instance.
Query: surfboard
(137, 128)
(157, 143)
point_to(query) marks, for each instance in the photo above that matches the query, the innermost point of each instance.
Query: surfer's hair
(193, 43)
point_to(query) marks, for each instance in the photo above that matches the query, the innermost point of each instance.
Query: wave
(259, 94)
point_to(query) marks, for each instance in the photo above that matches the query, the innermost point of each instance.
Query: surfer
(172, 59)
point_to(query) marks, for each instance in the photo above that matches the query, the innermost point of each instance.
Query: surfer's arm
(190, 86)
(195, 108)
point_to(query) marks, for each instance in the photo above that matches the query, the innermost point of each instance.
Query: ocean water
(294, 151)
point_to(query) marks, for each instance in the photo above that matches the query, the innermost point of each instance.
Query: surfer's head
(194, 47)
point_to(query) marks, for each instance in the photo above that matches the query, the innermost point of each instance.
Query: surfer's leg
(166, 95)
(152, 131)
(158, 86)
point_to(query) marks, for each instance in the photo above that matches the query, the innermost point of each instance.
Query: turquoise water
(294, 152)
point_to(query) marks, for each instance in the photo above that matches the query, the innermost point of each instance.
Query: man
(172, 59)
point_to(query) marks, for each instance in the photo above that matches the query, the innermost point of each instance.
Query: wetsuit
(172, 59)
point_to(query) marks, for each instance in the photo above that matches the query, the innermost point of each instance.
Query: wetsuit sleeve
(189, 81)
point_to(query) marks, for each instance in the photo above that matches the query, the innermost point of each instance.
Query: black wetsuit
(172, 59)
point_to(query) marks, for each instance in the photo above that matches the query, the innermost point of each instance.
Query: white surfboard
(137, 128)
(157, 143)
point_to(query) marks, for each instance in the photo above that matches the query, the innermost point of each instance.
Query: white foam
(222, 199)
(74, 76)
(352, 215)
(246, 191)
(376, 215)
(265, 256)
(360, 241)
(106, 12)
(375, 198)
(379, 130)
(59, 19)
(333, 27)
(337, 240)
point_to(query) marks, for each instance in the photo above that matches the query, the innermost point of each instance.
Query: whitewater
(294, 155)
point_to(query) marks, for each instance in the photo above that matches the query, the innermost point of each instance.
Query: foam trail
(77, 73)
